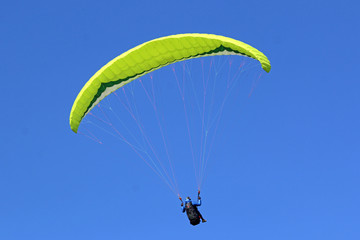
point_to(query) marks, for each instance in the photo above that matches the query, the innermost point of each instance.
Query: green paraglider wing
(150, 56)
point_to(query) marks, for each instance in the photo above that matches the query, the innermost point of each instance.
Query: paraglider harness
(191, 210)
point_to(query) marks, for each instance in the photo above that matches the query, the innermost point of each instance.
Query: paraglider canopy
(153, 55)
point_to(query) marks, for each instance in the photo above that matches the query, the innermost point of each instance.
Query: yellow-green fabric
(150, 56)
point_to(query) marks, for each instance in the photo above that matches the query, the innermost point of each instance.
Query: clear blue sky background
(287, 167)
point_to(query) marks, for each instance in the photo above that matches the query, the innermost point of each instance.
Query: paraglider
(192, 211)
(144, 59)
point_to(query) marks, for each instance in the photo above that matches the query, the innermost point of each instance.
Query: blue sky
(284, 167)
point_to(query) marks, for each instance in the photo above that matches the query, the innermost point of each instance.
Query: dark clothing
(192, 212)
